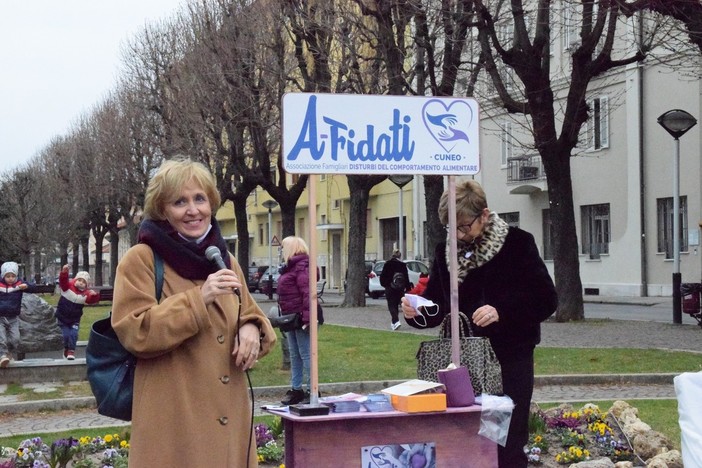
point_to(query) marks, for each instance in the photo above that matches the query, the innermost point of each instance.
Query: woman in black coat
(505, 290)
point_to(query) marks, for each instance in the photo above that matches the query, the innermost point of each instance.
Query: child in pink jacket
(74, 295)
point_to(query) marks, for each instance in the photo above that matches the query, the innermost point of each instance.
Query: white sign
(365, 134)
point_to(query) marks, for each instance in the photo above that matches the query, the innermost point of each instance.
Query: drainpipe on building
(642, 168)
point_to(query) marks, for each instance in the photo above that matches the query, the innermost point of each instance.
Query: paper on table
(414, 387)
(418, 301)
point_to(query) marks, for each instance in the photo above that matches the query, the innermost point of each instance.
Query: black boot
(293, 397)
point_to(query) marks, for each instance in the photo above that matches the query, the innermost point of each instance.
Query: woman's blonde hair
(293, 245)
(470, 201)
(166, 185)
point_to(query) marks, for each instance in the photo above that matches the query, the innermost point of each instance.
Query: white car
(414, 269)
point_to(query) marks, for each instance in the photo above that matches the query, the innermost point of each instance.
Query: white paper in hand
(418, 301)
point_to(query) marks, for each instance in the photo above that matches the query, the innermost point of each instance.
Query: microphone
(213, 255)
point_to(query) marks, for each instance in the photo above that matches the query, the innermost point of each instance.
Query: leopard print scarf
(481, 250)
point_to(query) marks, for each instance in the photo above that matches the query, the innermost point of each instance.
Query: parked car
(414, 269)
(255, 273)
(369, 269)
(264, 281)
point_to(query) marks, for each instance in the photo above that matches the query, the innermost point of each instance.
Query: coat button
(220, 339)
(223, 420)
(224, 379)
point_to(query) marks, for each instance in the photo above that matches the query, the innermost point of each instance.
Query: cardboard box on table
(417, 396)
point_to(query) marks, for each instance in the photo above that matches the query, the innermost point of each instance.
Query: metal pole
(270, 254)
(677, 312)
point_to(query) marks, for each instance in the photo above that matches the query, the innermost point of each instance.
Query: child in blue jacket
(74, 295)
(11, 291)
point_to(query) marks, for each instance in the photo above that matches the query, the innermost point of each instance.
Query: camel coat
(191, 404)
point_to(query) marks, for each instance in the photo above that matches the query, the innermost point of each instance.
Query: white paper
(418, 301)
(412, 387)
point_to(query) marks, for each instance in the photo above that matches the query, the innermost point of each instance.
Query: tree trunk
(566, 262)
(114, 254)
(433, 189)
(99, 235)
(359, 188)
(243, 251)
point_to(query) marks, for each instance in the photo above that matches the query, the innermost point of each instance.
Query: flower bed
(559, 437)
(110, 451)
(562, 436)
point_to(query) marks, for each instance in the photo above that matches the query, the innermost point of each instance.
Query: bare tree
(21, 216)
(526, 51)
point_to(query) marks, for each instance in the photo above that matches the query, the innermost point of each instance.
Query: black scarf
(187, 258)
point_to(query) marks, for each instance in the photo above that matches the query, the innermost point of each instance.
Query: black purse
(287, 322)
(110, 367)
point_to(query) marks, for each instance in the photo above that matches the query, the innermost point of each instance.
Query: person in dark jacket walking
(11, 291)
(294, 298)
(505, 290)
(395, 279)
(69, 310)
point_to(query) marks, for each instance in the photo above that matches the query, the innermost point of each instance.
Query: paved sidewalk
(633, 333)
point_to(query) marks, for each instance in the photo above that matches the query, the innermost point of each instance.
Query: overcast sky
(58, 58)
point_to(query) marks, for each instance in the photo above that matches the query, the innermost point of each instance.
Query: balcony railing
(526, 167)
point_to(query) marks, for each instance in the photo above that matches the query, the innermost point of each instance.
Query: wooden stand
(338, 438)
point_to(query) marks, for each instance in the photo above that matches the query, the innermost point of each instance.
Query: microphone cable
(214, 255)
(248, 379)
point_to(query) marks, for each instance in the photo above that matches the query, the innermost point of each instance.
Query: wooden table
(337, 439)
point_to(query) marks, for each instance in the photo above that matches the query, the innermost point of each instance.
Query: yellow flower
(108, 438)
(260, 458)
(538, 439)
(124, 444)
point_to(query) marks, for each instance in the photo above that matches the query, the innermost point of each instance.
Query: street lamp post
(676, 122)
(401, 181)
(270, 204)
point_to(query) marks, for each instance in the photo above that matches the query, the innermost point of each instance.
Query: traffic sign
(275, 242)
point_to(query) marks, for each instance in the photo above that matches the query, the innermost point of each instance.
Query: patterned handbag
(476, 354)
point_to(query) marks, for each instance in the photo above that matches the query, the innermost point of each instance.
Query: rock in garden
(671, 459)
(624, 464)
(38, 328)
(650, 444)
(619, 407)
(636, 427)
(599, 463)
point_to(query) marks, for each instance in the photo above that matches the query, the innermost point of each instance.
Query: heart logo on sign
(384, 457)
(447, 124)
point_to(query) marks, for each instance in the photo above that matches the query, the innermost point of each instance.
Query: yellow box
(422, 403)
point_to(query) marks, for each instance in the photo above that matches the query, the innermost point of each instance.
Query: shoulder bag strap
(158, 271)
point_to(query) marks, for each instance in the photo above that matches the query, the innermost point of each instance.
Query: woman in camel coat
(191, 399)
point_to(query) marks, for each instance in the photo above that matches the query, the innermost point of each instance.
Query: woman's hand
(247, 346)
(485, 315)
(407, 310)
(220, 283)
